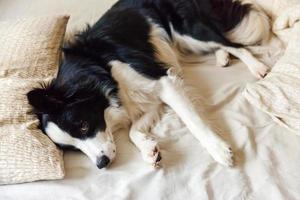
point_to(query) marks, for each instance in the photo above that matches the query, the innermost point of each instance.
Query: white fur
(139, 135)
(116, 118)
(171, 53)
(257, 68)
(143, 100)
(187, 43)
(253, 29)
(165, 50)
(94, 148)
(139, 98)
(222, 58)
(172, 93)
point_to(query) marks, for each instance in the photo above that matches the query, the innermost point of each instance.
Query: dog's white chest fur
(138, 94)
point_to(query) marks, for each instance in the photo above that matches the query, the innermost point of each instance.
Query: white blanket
(279, 93)
(267, 155)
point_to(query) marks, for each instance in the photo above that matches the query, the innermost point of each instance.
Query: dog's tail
(241, 21)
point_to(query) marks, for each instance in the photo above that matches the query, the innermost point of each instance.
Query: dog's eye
(84, 127)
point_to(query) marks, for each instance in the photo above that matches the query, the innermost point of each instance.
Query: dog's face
(78, 123)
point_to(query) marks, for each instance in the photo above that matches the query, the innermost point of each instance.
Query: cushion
(279, 93)
(29, 54)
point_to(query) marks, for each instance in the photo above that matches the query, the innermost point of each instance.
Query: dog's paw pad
(222, 153)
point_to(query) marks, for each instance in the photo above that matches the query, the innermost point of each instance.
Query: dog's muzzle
(103, 161)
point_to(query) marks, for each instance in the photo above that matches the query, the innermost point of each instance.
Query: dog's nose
(102, 162)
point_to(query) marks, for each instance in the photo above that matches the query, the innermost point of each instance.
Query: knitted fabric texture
(29, 54)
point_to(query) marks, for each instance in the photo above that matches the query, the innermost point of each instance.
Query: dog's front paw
(221, 152)
(260, 70)
(151, 153)
(222, 58)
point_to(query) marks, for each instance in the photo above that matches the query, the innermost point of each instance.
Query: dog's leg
(139, 135)
(222, 58)
(257, 68)
(116, 118)
(173, 94)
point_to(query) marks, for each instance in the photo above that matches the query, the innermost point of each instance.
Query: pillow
(29, 53)
(279, 93)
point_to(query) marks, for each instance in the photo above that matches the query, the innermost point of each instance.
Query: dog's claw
(157, 156)
(158, 159)
(222, 153)
(152, 154)
(260, 71)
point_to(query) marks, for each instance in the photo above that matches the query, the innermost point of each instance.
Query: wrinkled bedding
(278, 93)
(267, 155)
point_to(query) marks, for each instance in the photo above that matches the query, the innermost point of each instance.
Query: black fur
(84, 86)
(205, 20)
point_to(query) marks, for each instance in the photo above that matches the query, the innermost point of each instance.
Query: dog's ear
(45, 101)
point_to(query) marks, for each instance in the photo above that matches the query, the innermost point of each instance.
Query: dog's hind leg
(140, 136)
(172, 93)
(257, 68)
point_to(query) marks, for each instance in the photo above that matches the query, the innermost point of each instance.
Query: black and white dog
(125, 68)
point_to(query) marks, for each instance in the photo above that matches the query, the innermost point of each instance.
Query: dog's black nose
(102, 162)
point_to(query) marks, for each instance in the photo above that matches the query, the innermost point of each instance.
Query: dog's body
(125, 68)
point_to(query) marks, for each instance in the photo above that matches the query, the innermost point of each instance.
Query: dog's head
(71, 110)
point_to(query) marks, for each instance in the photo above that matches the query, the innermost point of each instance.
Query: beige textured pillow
(29, 53)
(279, 93)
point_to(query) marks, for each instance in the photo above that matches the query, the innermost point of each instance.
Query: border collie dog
(125, 68)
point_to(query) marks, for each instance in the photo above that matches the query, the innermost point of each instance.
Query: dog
(122, 70)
